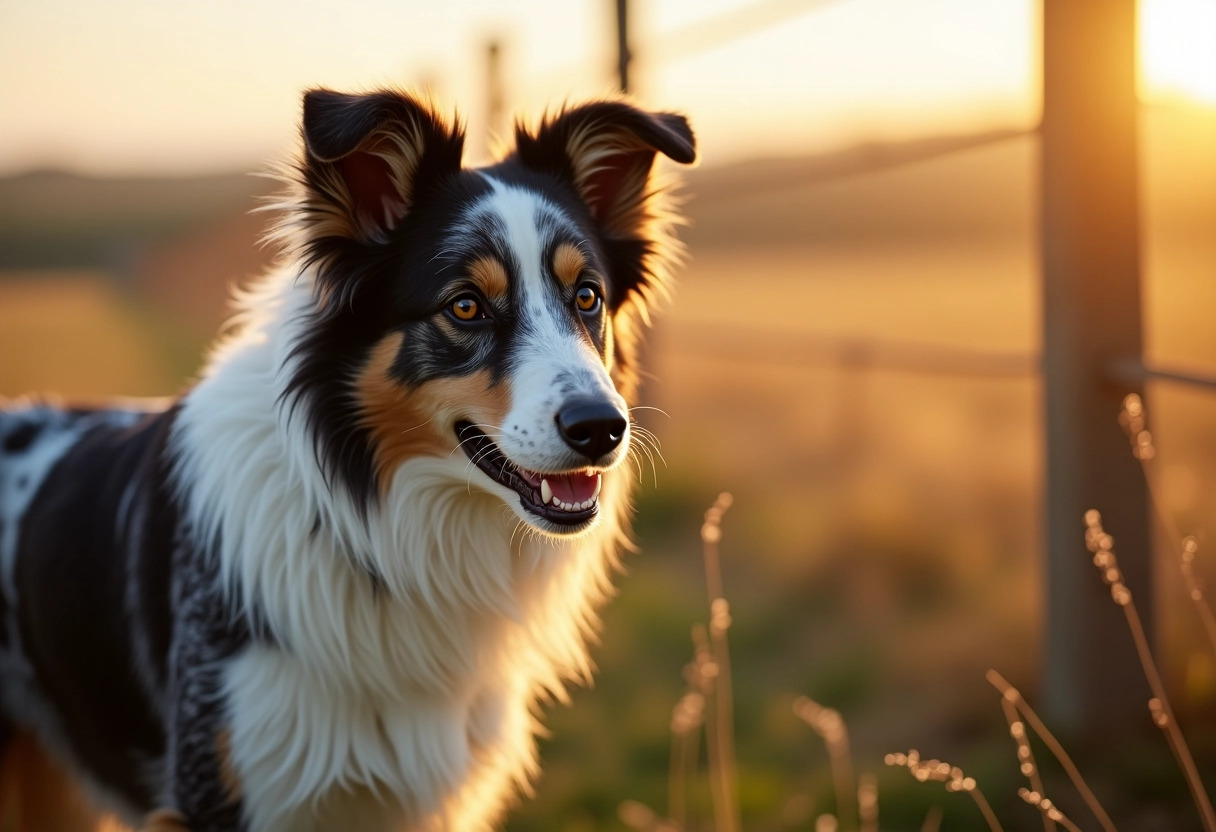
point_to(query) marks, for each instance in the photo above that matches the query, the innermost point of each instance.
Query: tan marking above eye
(568, 263)
(490, 276)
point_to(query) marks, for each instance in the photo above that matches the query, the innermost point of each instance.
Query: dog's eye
(587, 299)
(466, 308)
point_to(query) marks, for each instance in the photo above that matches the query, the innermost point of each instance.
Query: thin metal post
(1091, 318)
(623, 55)
(495, 97)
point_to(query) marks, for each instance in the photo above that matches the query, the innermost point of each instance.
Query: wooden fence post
(1091, 319)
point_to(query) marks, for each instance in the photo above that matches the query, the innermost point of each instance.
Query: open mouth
(567, 499)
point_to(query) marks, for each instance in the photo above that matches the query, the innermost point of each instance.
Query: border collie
(330, 586)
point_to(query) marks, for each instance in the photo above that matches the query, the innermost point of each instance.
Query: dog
(331, 586)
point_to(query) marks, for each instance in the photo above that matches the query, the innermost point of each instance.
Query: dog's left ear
(369, 158)
(607, 149)
(368, 161)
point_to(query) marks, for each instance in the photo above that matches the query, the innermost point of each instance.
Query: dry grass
(1102, 545)
(709, 691)
(705, 705)
(1011, 695)
(953, 777)
(1050, 813)
(829, 725)
(1026, 762)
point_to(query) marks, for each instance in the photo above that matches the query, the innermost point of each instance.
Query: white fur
(552, 354)
(409, 707)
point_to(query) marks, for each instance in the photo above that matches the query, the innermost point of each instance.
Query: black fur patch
(22, 437)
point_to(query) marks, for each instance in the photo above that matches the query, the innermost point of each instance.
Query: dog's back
(77, 590)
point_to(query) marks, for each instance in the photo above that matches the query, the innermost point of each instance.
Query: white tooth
(599, 482)
(546, 493)
(586, 504)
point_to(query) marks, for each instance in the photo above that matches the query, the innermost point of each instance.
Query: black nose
(591, 426)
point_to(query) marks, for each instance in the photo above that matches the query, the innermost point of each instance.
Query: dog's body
(329, 587)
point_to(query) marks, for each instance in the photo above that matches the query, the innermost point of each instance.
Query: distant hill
(949, 187)
(52, 219)
(56, 219)
(980, 188)
(196, 232)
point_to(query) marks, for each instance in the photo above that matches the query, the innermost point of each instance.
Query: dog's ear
(607, 149)
(368, 159)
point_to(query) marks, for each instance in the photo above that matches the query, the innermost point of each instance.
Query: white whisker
(647, 407)
(653, 468)
(416, 427)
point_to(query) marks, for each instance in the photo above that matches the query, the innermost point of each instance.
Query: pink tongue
(572, 488)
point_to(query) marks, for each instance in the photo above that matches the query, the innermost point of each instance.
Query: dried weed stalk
(867, 802)
(720, 730)
(1011, 695)
(952, 776)
(1048, 809)
(1133, 418)
(829, 726)
(1103, 547)
(1026, 763)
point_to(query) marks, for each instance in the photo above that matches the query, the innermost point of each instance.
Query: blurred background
(854, 349)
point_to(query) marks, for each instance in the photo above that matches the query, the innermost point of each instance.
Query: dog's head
(488, 316)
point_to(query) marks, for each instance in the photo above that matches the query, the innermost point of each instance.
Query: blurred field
(884, 546)
(76, 334)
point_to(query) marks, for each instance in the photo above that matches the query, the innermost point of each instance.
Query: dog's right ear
(367, 161)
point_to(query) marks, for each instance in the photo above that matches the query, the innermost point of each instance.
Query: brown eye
(587, 299)
(466, 309)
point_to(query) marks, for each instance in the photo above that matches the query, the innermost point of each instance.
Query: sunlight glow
(143, 85)
(1178, 48)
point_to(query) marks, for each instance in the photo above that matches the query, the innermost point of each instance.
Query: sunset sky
(131, 86)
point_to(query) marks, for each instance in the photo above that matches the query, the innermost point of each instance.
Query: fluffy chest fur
(411, 645)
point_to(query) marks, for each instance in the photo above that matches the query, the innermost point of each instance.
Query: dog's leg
(204, 787)
(36, 794)
(165, 820)
(8, 800)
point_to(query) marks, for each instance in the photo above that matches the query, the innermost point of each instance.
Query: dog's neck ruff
(408, 643)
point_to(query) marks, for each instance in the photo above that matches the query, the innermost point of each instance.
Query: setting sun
(1178, 48)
